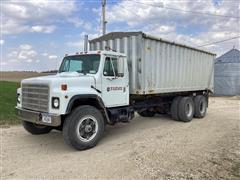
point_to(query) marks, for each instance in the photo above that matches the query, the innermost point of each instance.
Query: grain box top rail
(114, 35)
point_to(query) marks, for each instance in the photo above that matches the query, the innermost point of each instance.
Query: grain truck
(123, 73)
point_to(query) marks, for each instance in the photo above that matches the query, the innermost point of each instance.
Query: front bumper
(35, 117)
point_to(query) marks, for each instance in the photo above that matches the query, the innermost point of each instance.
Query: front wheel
(84, 127)
(36, 129)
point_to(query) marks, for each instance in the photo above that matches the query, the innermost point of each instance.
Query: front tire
(84, 127)
(36, 129)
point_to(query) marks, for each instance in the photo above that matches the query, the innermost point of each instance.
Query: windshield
(86, 64)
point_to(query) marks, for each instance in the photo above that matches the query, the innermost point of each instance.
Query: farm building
(227, 74)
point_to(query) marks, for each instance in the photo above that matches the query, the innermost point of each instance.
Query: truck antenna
(104, 22)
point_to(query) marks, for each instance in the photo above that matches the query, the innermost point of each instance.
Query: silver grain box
(160, 66)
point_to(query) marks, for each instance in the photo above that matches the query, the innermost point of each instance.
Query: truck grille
(35, 97)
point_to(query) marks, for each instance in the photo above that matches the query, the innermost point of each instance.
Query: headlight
(55, 102)
(18, 98)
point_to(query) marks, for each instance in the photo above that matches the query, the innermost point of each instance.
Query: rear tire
(36, 129)
(174, 108)
(146, 113)
(186, 109)
(200, 104)
(84, 127)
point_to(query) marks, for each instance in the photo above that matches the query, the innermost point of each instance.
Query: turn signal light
(63, 87)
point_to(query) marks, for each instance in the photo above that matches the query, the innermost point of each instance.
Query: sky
(36, 34)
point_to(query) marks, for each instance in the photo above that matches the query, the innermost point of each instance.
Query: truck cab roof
(98, 52)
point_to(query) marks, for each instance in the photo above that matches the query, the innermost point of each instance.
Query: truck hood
(72, 79)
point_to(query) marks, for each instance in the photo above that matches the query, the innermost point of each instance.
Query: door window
(111, 67)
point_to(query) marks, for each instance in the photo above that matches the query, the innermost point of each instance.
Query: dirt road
(146, 148)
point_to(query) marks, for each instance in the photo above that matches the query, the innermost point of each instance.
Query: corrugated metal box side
(157, 66)
(168, 67)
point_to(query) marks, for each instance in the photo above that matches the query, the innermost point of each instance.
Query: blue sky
(36, 34)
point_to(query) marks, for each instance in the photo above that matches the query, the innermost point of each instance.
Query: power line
(216, 42)
(187, 11)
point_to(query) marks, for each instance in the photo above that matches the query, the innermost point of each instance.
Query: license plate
(46, 118)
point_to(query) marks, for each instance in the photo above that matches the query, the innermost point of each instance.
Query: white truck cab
(98, 78)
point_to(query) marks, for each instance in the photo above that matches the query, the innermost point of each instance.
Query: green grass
(8, 91)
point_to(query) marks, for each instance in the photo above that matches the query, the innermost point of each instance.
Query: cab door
(115, 83)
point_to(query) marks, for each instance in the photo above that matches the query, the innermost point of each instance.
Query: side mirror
(120, 67)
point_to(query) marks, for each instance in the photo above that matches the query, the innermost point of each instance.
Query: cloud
(52, 57)
(77, 22)
(25, 47)
(27, 55)
(2, 41)
(43, 29)
(3, 63)
(45, 54)
(34, 16)
(24, 53)
(87, 26)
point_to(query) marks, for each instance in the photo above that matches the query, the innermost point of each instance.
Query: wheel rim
(87, 128)
(202, 107)
(189, 109)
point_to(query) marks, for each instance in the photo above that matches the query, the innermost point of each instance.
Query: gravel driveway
(145, 148)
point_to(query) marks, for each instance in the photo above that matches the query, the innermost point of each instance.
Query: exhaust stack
(86, 43)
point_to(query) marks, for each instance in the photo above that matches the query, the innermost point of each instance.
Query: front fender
(88, 99)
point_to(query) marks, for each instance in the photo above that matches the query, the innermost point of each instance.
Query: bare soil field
(18, 76)
(145, 148)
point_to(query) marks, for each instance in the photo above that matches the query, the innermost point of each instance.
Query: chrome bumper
(35, 117)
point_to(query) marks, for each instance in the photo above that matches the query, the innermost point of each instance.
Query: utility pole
(104, 22)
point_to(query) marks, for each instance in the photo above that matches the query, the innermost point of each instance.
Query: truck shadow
(54, 140)
(135, 126)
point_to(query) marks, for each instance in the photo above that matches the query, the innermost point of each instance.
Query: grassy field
(8, 89)
(18, 76)
(8, 92)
